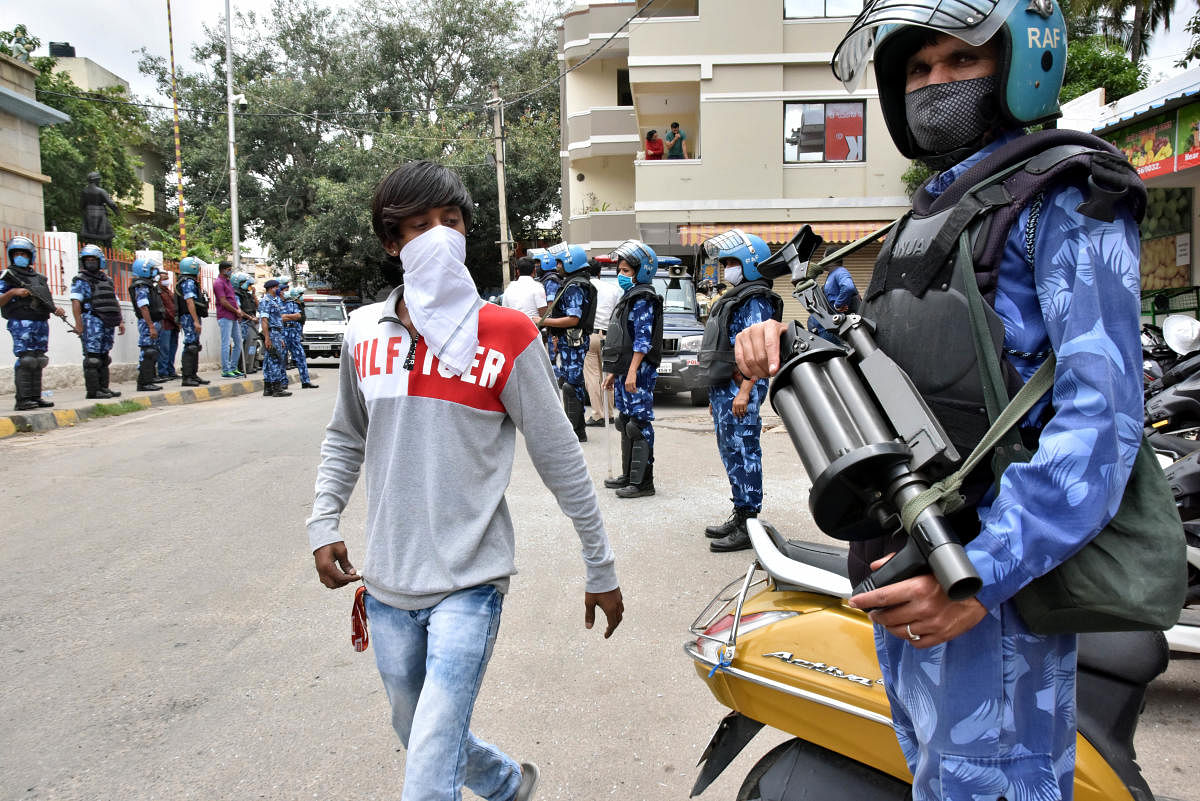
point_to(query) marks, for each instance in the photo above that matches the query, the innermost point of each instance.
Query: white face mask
(733, 275)
(441, 296)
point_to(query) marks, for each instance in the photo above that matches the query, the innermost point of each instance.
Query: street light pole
(233, 190)
(498, 128)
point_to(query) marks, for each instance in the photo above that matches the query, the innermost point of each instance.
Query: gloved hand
(275, 354)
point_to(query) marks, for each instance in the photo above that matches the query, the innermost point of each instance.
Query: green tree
(1093, 62)
(1129, 22)
(336, 101)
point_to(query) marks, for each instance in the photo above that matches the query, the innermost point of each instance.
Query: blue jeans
(231, 343)
(432, 663)
(168, 343)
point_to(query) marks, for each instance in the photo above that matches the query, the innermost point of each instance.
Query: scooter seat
(826, 557)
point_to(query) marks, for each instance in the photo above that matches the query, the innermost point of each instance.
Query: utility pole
(498, 128)
(178, 154)
(229, 97)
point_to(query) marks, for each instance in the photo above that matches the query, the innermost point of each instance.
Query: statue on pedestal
(96, 227)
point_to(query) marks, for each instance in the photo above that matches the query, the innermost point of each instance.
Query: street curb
(39, 422)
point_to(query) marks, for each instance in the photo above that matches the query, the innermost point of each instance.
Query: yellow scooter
(781, 648)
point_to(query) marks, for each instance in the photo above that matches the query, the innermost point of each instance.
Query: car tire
(699, 397)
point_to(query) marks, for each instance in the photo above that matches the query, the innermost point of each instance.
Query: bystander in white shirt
(527, 295)
(607, 296)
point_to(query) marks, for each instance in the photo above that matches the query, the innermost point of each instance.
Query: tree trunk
(1136, 34)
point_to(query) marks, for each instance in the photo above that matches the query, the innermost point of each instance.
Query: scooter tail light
(718, 634)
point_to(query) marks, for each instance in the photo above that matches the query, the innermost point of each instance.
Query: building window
(814, 132)
(807, 9)
(624, 92)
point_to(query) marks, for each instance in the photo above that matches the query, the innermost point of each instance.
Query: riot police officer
(736, 401)
(148, 306)
(270, 318)
(243, 286)
(550, 280)
(26, 302)
(97, 313)
(192, 305)
(573, 316)
(632, 352)
(293, 334)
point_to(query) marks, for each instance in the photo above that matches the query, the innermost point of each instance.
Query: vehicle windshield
(678, 294)
(325, 312)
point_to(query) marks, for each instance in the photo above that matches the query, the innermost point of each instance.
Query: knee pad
(633, 429)
(193, 347)
(107, 359)
(28, 360)
(43, 359)
(93, 361)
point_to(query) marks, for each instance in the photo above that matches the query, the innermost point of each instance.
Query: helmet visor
(725, 241)
(630, 252)
(973, 21)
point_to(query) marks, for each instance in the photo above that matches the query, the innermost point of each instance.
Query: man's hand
(919, 606)
(121, 328)
(77, 329)
(631, 382)
(20, 292)
(333, 565)
(610, 603)
(757, 349)
(609, 380)
(740, 403)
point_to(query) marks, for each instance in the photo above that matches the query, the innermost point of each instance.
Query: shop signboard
(1149, 145)
(1188, 135)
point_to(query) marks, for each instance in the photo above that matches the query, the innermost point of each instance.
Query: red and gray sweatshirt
(437, 449)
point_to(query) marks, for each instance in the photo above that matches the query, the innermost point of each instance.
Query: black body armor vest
(587, 322)
(200, 301)
(156, 305)
(917, 300)
(716, 352)
(246, 302)
(618, 342)
(37, 305)
(104, 303)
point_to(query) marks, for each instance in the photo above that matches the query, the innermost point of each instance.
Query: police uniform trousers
(738, 440)
(293, 338)
(188, 326)
(962, 745)
(639, 404)
(97, 337)
(552, 350)
(29, 335)
(144, 341)
(572, 359)
(273, 371)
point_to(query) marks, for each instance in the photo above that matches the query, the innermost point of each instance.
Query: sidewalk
(71, 407)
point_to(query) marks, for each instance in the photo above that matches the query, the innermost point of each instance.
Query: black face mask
(946, 117)
(91, 265)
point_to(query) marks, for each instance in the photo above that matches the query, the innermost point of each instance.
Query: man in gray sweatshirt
(434, 384)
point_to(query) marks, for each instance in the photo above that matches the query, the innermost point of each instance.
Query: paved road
(164, 636)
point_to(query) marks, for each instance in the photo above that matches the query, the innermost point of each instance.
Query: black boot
(147, 368)
(281, 391)
(268, 389)
(104, 377)
(739, 538)
(189, 364)
(641, 467)
(309, 385)
(91, 375)
(724, 529)
(616, 482)
(574, 409)
(23, 379)
(43, 360)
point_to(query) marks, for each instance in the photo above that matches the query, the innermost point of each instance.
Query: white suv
(324, 326)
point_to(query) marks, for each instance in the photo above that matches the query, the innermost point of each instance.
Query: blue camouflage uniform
(951, 703)
(738, 439)
(271, 308)
(141, 296)
(27, 334)
(190, 290)
(293, 338)
(571, 359)
(639, 404)
(97, 337)
(551, 283)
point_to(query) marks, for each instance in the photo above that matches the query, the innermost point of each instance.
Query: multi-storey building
(774, 140)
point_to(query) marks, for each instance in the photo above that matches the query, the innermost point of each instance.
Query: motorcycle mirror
(793, 258)
(1181, 333)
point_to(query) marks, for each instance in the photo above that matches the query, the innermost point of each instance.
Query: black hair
(650, 133)
(674, 125)
(526, 265)
(224, 264)
(593, 268)
(416, 188)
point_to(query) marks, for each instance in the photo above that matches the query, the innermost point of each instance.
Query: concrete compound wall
(66, 352)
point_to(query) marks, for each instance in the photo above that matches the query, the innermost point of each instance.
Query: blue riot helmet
(92, 252)
(22, 243)
(638, 255)
(295, 294)
(547, 262)
(1031, 36)
(190, 266)
(145, 267)
(748, 249)
(573, 257)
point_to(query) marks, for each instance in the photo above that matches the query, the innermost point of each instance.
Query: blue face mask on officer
(625, 282)
(20, 260)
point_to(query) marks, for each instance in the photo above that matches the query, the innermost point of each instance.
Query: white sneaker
(529, 780)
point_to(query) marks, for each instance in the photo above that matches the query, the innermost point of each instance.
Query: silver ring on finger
(911, 636)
